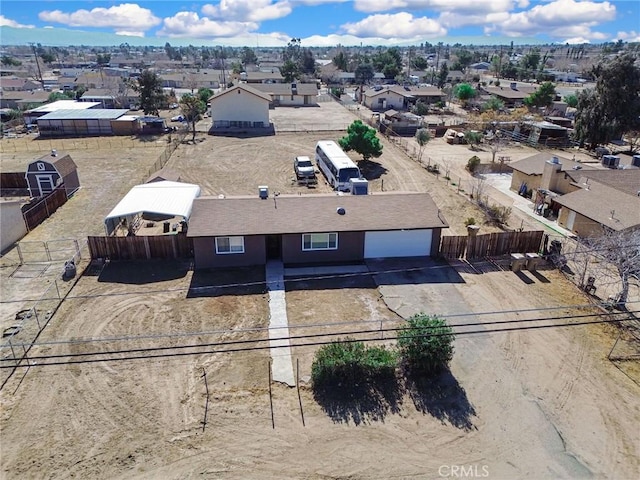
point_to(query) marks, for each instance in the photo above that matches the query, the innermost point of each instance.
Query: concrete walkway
(281, 362)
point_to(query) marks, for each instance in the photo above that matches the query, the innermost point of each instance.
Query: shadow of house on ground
(360, 403)
(232, 281)
(442, 397)
(330, 282)
(412, 271)
(144, 271)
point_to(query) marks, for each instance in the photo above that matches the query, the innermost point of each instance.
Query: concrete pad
(281, 361)
(324, 270)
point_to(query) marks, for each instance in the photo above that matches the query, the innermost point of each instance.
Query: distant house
(243, 231)
(50, 171)
(605, 199)
(272, 76)
(240, 107)
(480, 67)
(23, 99)
(108, 99)
(194, 80)
(399, 97)
(511, 96)
(289, 94)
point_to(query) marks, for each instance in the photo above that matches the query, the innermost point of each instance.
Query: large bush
(426, 343)
(351, 362)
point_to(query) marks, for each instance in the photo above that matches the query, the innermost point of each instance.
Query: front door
(274, 247)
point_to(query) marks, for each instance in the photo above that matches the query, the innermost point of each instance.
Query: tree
(442, 75)
(422, 137)
(542, 97)
(389, 62)
(10, 61)
(364, 73)
(497, 143)
(465, 58)
(571, 100)
(362, 139)
(620, 251)
(473, 138)
(426, 343)
(419, 62)
(149, 86)
(290, 71)
(54, 96)
(341, 61)
(192, 107)
(609, 110)
(248, 56)
(494, 104)
(103, 59)
(204, 94)
(464, 92)
(531, 61)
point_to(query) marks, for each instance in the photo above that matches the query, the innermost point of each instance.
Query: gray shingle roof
(212, 216)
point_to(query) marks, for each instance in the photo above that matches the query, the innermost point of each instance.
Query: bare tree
(422, 137)
(497, 143)
(619, 255)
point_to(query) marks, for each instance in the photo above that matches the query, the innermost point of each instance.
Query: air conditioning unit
(636, 161)
(610, 161)
(263, 192)
(359, 186)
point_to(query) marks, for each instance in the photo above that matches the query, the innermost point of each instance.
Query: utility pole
(35, 54)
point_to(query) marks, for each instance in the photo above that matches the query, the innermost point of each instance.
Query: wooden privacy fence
(37, 212)
(491, 244)
(141, 248)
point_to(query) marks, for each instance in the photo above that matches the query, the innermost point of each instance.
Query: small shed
(50, 171)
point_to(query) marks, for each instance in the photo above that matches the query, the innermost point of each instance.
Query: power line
(269, 347)
(327, 324)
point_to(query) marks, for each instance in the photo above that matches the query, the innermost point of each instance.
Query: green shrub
(350, 362)
(426, 343)
(469, 221)
(472, 163)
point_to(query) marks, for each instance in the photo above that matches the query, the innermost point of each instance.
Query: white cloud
(398, 25)
(189, 24)
(555, 19)
(129, 33)
(576, 41)
(128, 16)
(6, 22)
(451, 6)
(248, 10)
(631, 36)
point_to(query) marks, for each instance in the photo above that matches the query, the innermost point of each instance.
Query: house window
(40, 166)
(225, 245)
(319, 241)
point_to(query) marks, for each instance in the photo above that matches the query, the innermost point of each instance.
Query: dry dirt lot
(525, 404)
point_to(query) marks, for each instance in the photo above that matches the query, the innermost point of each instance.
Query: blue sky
(318, 22)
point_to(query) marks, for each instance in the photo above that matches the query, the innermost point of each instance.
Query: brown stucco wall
(582, 226)
(204, 251)
(350, 249)
(532, 181)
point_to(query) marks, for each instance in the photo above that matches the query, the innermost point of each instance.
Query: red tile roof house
(313, 229)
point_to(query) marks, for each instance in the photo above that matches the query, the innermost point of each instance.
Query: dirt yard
(534, 403)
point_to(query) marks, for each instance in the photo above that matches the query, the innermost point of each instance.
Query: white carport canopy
(164, 198)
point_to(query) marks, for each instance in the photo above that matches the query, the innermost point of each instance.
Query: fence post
(19, 250)
(46, 247)
(15, 359)
(35, 314)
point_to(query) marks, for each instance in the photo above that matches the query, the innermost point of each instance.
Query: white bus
(336, 165)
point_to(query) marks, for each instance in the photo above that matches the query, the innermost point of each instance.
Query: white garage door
(407, 243)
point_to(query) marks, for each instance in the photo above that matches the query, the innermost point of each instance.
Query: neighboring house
(272, 76)
(602, 200)
(13, 225)
(194, 80)
(349, 78)
(480, 67)
(23, 99)
(51, 171)
(313, 229)
(241, 106)
(541, 171)
(289, 94)
(511, 96)
(455, 76)
(545, 133)
(397, 97)
(400, 123)
(80, 123)
(109, 99)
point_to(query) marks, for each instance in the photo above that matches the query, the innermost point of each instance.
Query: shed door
(397, 243)
(571, 220)
(45, 183)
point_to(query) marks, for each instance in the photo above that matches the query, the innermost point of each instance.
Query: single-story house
(240, 106)
(401, 123)
(399, 97)
(195, 80)
(107, 99)
(50, 171)
(243, 231)
(289, 94)
(23, 100)
(511, 96)
(349, 78)
(546, 133)
(79, 123)
(542, 171)
(272, 76)
(597, 205)
(164, 198)
(480, 67)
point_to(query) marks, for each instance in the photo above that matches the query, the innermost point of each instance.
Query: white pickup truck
(305, 173)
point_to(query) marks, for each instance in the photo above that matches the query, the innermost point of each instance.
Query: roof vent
(54, 153)
(263, 192)
(555, 160)
(340, 211)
